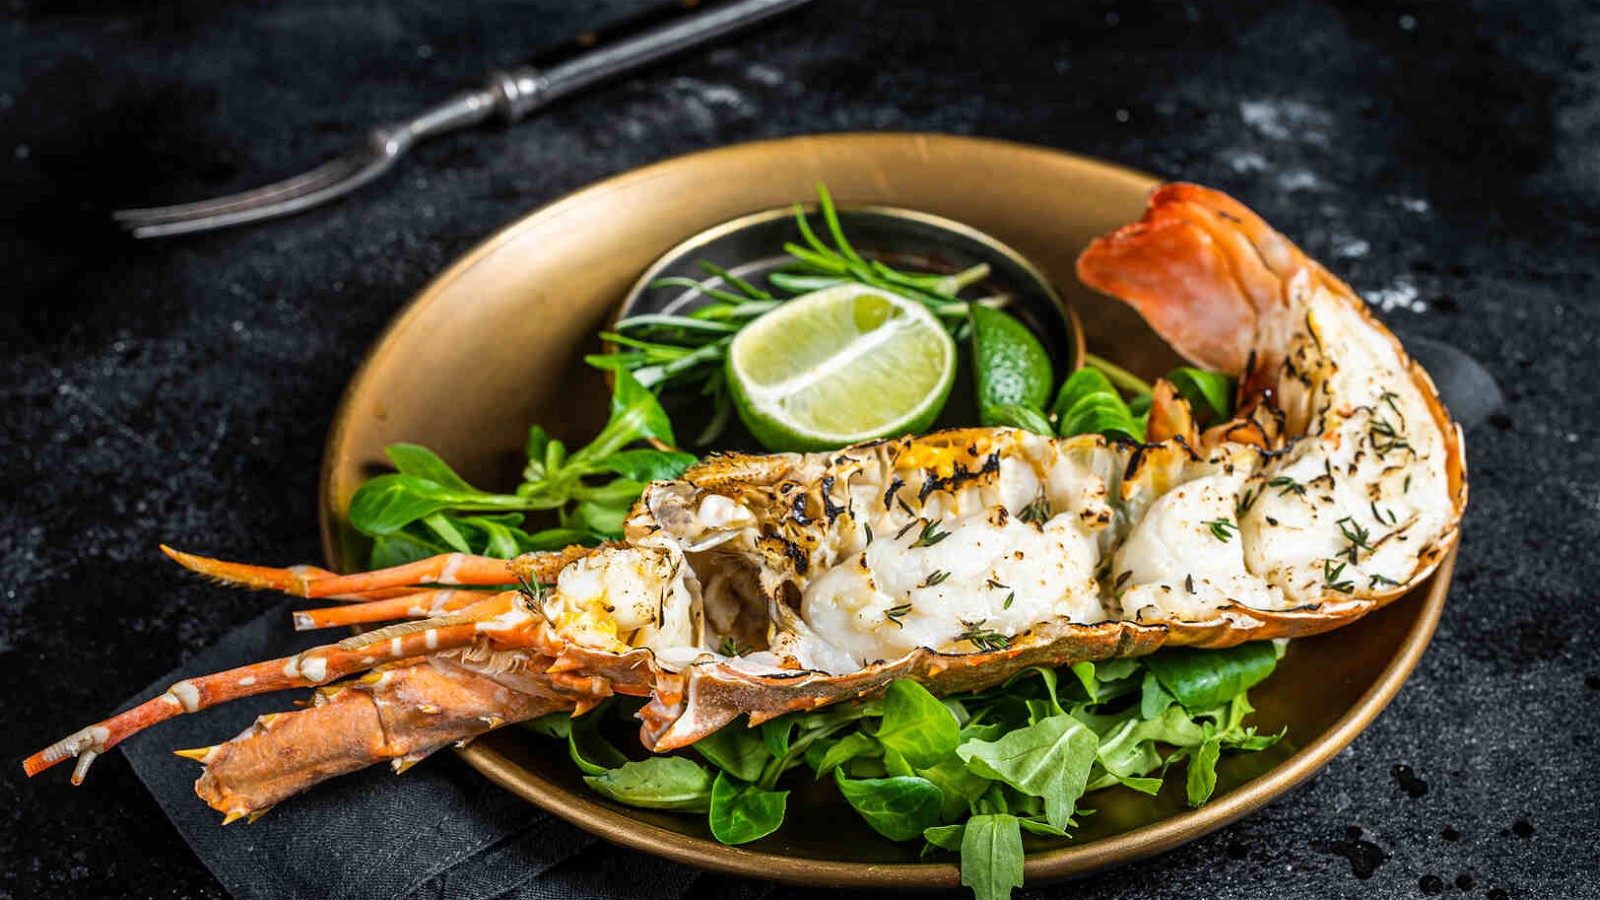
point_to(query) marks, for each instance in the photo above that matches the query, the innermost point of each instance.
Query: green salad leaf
(736, 750)
(1201, 679)
(742, 812)
(1210, 394)
(898, 808)
(1049, 759)
(993, 845)
(916, 725)
(660, 782)
(1087, 403)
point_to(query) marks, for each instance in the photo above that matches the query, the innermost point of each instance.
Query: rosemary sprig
(730, 647)
(1383, 515)
(896, 613)
(1222, 529)
(1357, 535)
(930, 535)
(1287, 485)
(935, 578)
(1385, 437)
(1330, 577)
(1246, 500)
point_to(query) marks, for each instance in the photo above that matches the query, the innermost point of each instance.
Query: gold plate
(496, 343)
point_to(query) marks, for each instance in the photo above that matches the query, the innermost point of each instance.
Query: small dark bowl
(751, 248)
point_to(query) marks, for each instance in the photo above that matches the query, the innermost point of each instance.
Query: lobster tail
(1203, 270)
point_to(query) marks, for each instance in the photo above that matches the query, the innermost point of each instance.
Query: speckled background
(1443, 157)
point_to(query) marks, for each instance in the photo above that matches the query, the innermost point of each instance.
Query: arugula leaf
(1153, 698)
(742, 812)
(1128, 749)
(1034, 826)
(1210, 394)
(991, 856)
(898, 808)
(1049, 759)
(916, 725)
(735, 749)
(946, 837)
(1201, 679)
(1202, 778)
(660, 782)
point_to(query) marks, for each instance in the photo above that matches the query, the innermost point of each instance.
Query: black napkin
(442, 830)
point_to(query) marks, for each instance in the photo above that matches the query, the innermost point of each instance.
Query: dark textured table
(1440, 156)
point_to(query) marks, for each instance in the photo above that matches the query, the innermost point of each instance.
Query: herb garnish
(1287, 485)
(1383, 515)
(1246, 500)
(1384, 436)
(730, 647)
(896, 613)
(1038, 512)
(936, 577)
(1330, 577)
(1221, 529)
(983, 638)
(930, 535)
(1356, 534)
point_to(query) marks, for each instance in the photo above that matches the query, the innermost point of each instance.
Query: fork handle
(600, 58)
(592, 59)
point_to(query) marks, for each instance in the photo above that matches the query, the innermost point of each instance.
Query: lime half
(840, 365)
(1009, 365)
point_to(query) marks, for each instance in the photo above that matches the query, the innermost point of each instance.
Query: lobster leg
(418, 604)
(316, 666)
(309, 581)
(399, 714)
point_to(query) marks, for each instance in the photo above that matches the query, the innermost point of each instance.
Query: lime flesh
(840, 365)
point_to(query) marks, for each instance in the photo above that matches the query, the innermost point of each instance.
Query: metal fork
(508, 95)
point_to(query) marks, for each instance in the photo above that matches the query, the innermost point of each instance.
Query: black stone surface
(1441, 156)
